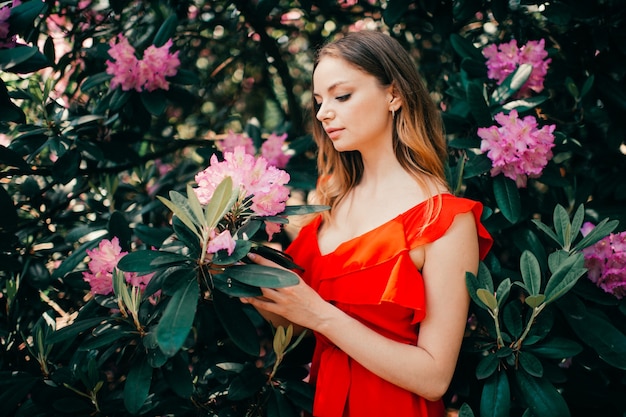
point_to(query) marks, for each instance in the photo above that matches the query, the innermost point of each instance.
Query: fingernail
(251, 256)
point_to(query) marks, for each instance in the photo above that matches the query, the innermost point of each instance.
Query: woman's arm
(425, 369)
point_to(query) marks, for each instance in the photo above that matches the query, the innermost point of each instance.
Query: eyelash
(342, 98)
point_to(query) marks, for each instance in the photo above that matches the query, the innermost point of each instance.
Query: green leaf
(602, 229)
(531, 272)
(182, 212)
(530, 364)
(478, 104)
(394, 11)
(535, 301)
(495, 400)
(507, 198)
(236, 323)
(562, 225)
(176, 373)
(541, 396)
(303, 209)
(221, 202)
(565, 277)
(487, 366)
(577, 223)
(556, 348)
(242, 248)
(74, 329)
(8, 212)
(177, 319)
(262, 276)
(465, 411)
(185, 77)
(596, 331)
(512, 318)
(118, 226)
(137, 385)
(556, 258)
(247, 383)
(487, 298)
(279, 406)
(195, 207)
(502, 293)
(140, 261)
(67, 166)
(9, 157)
(465, 48)
(482, 281)
(94, 81)
(476, 165)
(511, 84)
(9, 58)
(299, 393)
(154, 101)
(22, 16)
(166, 31)
(235, 288)
(545, 229)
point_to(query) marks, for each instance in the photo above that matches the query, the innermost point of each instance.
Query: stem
(499, 340)
(533, 316)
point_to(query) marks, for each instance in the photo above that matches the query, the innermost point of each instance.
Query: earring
(393, 114)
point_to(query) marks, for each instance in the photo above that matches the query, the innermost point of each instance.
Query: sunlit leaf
(221, 202)
(565, 277)
(487, 298)
(562, 225)
(602, 229)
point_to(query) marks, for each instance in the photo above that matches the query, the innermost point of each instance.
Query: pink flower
(125, 67)
(505, 58)
(5, 40)
(271, 229)
(347, 3)
(517, 148)
(147, 74)
(262, 187)
(272, 150)
(158, 63)
(222, 241)
(233, 140)
(606, 262)
(103, 261)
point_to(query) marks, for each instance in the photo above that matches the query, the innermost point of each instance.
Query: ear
(395, 101)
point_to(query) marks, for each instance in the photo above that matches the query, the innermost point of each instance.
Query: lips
(333, 133)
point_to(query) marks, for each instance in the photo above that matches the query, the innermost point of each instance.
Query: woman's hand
(298, 304)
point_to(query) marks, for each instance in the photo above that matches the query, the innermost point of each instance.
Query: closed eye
(345, 97)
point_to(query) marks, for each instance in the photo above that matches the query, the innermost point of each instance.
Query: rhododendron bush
(146, 148)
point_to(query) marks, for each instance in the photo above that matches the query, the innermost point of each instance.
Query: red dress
(373, 279)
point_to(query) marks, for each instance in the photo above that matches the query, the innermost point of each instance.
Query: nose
(324, 113)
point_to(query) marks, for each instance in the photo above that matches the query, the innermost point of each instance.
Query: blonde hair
(418, 136)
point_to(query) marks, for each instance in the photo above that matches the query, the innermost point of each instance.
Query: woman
(384, 283)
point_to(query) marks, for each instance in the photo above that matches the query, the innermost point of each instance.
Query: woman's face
(354, 108)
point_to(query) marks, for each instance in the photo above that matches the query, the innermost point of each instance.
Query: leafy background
(81, 162)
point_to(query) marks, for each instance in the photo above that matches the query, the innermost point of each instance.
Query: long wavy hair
(418, 135)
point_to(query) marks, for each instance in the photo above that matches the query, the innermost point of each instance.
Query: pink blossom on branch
(261, 184)
(149, 73)
(103, 261)
(606, 262)
(272, 150)
(504, 59)
(517, 148)
(7, 41)
(233, 140)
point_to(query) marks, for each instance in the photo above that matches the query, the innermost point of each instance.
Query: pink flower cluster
(517, 148)
(271, 148)
(606, 262)
(148, 73)
(5, 13)
(264, 183)
(103, 260)
(505, 58)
